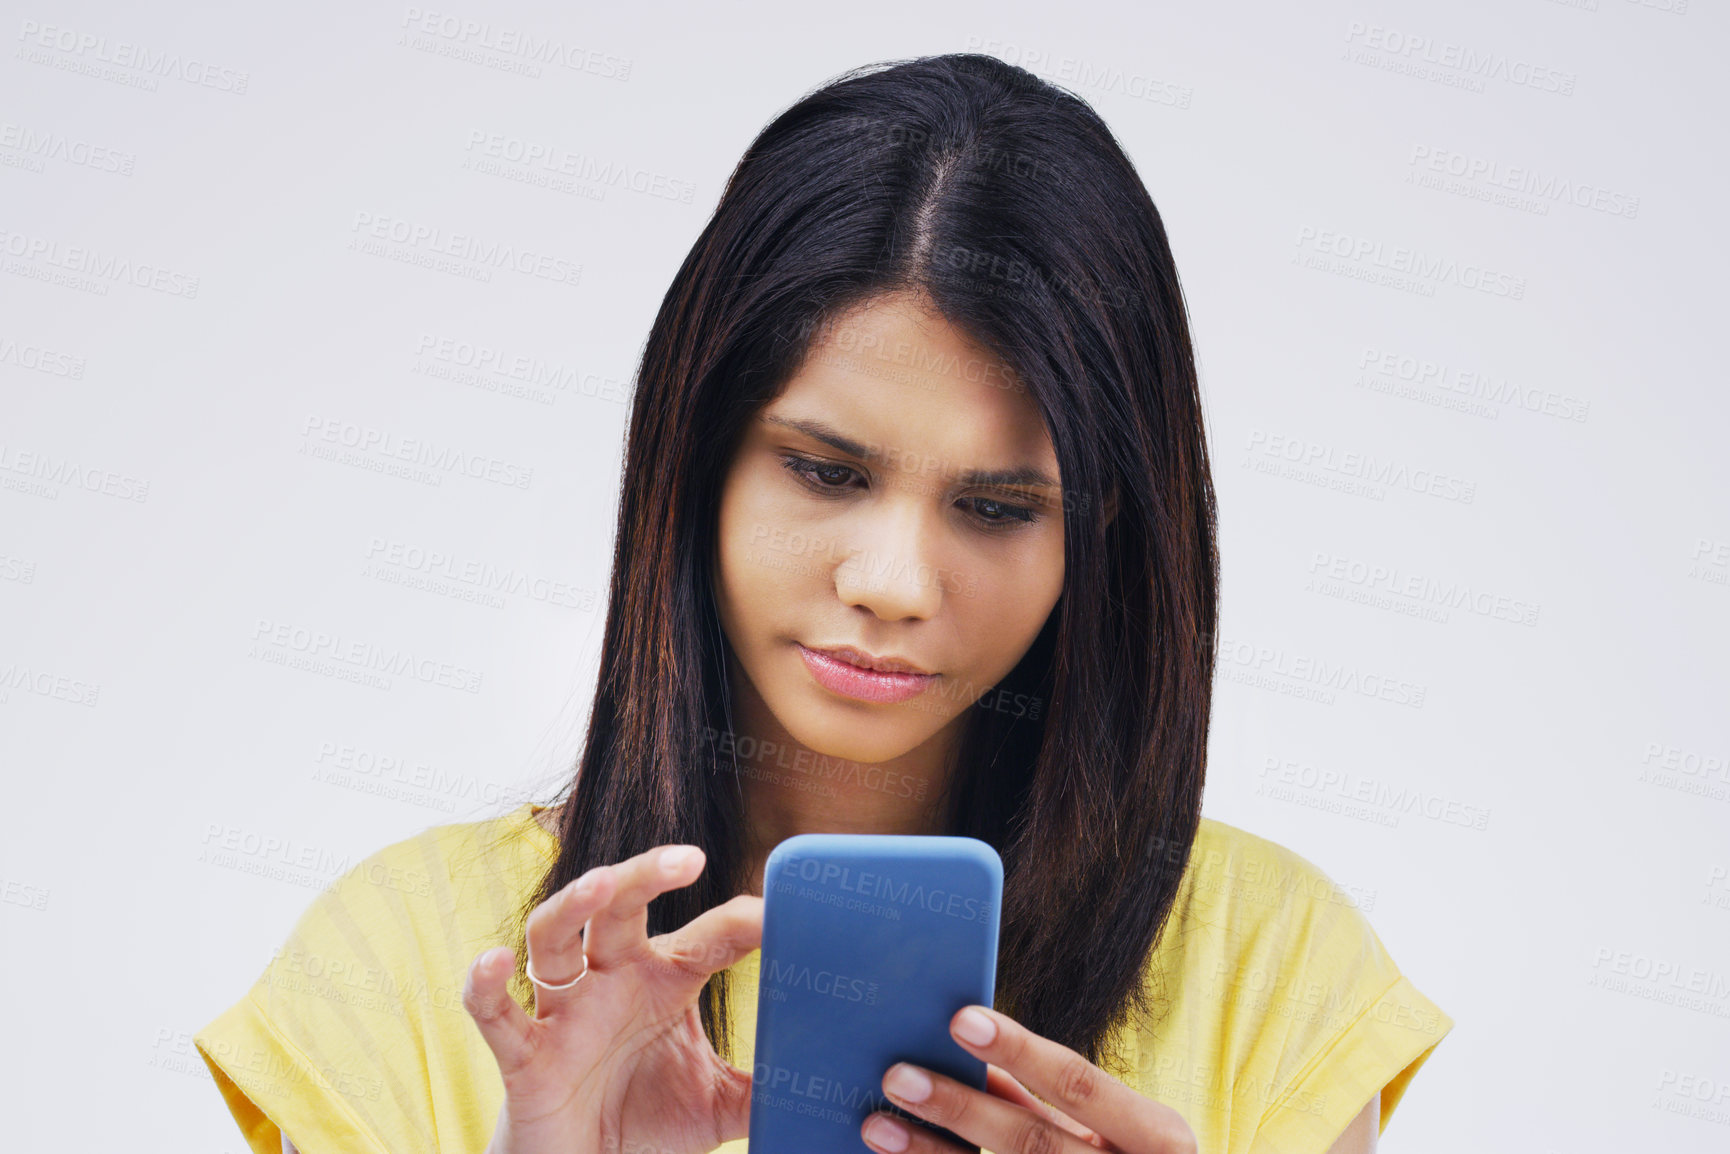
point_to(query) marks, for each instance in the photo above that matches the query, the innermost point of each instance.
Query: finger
(554, 937)
(1115, 1112)
(1002, 1083)
(502, 1022)
(714, 939)
(619, 931)
(986, 1120)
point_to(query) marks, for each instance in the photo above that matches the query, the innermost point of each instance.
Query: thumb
(502, 1022)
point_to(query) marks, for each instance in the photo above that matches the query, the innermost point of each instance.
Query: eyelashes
(1007, 516)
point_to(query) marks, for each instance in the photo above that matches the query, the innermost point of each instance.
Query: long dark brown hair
(1006, 202)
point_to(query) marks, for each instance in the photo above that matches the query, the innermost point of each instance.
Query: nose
(890, 567)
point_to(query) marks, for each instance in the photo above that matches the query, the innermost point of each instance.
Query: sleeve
(1356, 1026)
(326, 1046)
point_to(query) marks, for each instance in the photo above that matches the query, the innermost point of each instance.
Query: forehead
(897, 374)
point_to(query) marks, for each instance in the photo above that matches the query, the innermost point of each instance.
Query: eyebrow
(1025, 476)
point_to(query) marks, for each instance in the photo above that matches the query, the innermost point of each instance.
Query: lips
(840, 675)
(868, 661)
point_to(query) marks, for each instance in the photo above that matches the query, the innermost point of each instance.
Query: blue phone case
(871, 942)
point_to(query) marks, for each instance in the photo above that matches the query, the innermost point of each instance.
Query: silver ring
(530, 967)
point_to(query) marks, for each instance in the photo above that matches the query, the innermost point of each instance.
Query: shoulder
(1245, 899)
(1281, 933)
(417, 903)
(1276, 985)
(363, 998)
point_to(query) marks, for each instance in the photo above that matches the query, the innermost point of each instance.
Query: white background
(1534, 815)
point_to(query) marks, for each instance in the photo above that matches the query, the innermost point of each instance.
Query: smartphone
(871, 942)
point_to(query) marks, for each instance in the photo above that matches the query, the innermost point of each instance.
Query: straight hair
(1006, 203)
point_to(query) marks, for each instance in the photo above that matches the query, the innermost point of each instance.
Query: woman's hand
(1098, 1112)
(618, 1063)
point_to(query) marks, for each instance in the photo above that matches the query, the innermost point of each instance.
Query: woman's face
(856, 513)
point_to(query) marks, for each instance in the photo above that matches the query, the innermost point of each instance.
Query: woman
(916, 536)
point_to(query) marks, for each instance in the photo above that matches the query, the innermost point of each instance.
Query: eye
(829, 478)
(809, 471)
(994, 512)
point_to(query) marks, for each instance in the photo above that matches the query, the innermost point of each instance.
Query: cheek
(762, 560)
(1012, 596)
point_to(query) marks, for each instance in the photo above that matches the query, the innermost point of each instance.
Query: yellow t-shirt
(1280, 1010)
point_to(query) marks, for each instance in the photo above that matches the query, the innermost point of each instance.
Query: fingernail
(973, 1026)
(673, 860)
(585, 885)
(880, 1131)
(908, 1082)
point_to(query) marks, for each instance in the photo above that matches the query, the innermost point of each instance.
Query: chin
(848, 732)
(852, 730)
